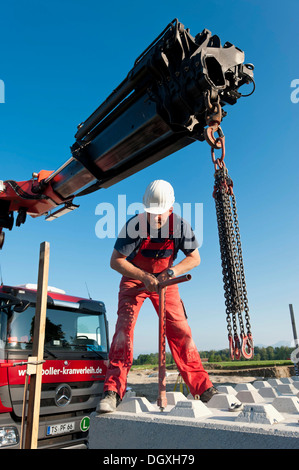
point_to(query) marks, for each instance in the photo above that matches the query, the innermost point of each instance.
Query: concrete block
(268, 392)
(227, 389)
(286, 404)
(250, 396)
(223, 401)
(136, 405)
(286, 380)
(244, 386)
(296, 385)
(190, 409)
(261, 414)
(286, 389)
(129, 394)
(174, 397)
(274, 382)
(295, 378)
(261, 384)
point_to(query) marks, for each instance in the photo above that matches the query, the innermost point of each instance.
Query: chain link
(235, 292)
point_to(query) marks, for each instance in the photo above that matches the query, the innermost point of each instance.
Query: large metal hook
(213, 141)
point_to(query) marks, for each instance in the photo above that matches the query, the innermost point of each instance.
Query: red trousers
(178, 333)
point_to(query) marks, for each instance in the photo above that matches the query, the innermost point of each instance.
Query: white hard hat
(158, 197)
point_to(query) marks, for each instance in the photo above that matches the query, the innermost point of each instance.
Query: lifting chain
(235, 292)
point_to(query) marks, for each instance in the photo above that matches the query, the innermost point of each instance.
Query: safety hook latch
(247, 346)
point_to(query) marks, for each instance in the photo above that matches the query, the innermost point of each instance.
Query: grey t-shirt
(132, 234)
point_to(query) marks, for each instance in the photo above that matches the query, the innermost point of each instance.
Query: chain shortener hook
(219, 162)
(213, 120)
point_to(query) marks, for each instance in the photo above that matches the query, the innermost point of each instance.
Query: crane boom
(160, 107)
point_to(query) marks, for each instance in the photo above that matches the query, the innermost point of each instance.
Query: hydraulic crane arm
(163, 105)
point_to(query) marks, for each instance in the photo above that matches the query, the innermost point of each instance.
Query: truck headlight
(9, 436)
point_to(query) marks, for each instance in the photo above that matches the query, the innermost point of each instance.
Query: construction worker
(144, 254)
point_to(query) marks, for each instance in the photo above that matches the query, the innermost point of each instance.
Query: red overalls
(154, 258)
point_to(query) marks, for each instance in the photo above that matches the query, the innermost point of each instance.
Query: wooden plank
(38, 348)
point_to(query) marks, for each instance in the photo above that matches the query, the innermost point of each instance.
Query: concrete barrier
(191, 424)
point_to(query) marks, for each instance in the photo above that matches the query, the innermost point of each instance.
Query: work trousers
(178, 333)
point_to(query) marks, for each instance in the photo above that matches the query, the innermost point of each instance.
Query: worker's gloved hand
(151, 282)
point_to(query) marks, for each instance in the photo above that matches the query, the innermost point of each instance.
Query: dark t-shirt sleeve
(126, 244)
(187, 242)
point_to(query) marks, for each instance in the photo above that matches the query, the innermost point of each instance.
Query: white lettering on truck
(53, 371)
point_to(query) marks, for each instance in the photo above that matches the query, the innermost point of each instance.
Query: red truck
(75, 352)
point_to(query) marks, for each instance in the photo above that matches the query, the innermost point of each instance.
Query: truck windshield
(66, 329)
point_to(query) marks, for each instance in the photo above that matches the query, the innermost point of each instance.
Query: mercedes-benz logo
(63, 395)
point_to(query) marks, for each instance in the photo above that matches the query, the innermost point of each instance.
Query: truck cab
(76, 356)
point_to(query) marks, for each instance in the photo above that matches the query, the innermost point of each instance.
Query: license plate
(60, 428)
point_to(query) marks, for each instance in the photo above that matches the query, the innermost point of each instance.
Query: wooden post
(38, 349)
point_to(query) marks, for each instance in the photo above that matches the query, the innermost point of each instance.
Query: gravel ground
(145, 382)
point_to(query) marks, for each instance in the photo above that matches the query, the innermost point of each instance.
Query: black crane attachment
(162, 106)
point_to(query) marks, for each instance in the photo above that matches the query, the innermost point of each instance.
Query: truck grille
(85, 395)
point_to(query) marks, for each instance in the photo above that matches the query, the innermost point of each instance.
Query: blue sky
(61, 59)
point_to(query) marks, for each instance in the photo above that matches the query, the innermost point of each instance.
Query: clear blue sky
(59, 60)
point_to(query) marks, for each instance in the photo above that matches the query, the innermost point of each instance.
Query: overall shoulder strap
(142, 219)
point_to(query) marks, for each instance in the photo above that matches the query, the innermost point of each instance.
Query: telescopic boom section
(160, 107)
